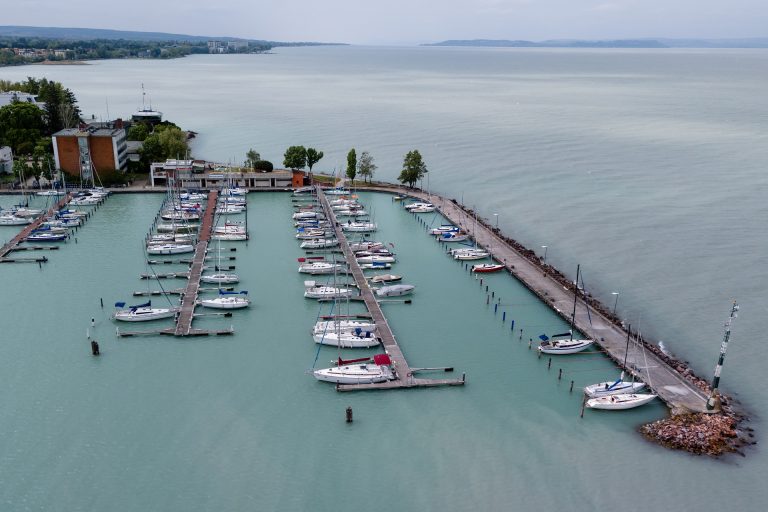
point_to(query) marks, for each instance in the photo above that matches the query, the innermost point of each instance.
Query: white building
(6, 160)
(6, 98)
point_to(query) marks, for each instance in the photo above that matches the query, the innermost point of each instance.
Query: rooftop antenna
(143, 94)
(107, 101)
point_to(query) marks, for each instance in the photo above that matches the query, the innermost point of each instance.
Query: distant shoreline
(63, 63)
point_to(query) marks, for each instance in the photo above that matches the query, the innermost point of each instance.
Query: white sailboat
(363, 373)
(619, 386)
(142, 312)
(347, 339)
(319, 267)
(558, 344)
(620, 402)
(227, 300)
(395, 290)
(313, 290)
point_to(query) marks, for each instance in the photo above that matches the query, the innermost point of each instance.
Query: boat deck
(13, 244)
(403, 374)
(672, 387)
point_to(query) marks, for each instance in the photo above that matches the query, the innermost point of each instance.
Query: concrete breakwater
(673, 380)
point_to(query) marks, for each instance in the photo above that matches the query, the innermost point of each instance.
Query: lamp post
(497, 220)
(616, 301)
(545, 253)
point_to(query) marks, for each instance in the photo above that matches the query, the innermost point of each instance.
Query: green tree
(251, 157)
(167, 141)
(414, 168)
(351, 164)
(295, 157)
(21, 125)
(263, 165)
(313, 156)
(138, 131)
(366, 167)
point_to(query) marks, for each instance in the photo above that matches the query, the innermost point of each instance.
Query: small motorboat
(425, 208)
(375, 266)
(46, 237)
(395, 290)
(620, 402)
(365, 246)
(230, 237)
(418, 205)
(452, 236)
(386, 278)
(337, 192)
(445, 228)
(363, 373)
(12, 220)
(485, 268)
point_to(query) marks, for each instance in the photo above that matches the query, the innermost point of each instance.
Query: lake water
(645, 166)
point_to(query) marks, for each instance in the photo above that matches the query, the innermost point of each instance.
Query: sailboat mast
(626, 349)
(723, 347)
(575, 295)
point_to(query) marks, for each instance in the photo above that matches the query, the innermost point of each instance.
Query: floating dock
(671, 386)
(13, 245)
(404, 377)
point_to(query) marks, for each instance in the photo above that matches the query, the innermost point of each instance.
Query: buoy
(349, 415)
(95, 347)
(93, 322)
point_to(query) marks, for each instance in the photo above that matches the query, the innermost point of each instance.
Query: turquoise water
(645, 166)
(235, 423)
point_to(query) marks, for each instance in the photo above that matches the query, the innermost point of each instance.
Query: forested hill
(615, 43)
(87, 34)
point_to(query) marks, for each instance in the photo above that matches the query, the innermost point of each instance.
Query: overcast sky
(404, 21)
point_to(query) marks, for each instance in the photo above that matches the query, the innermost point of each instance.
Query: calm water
(644, 166)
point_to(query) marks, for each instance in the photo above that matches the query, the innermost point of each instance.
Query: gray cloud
(408, 21)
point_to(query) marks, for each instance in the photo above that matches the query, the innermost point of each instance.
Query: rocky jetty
(698, 433)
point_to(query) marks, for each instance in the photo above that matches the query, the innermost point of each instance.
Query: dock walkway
(672, 387)
(403, 373)
(189, 299)
(12, 245)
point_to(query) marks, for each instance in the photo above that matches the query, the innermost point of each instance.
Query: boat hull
(619, 402)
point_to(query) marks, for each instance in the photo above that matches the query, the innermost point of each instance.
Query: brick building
(78, 150)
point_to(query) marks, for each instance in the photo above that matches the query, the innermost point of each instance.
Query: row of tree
(414, 168)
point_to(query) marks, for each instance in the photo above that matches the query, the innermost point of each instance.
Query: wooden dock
(189, 298)
(13, 244)
(404, 377)
(671, 386)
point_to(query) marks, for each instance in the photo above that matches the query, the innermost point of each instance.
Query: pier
(672, 387)
(189, 293)
(404, 377)
(13, 244)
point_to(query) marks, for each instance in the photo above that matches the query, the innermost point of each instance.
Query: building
(217, 46)
(6, 160)
(79, 150)
(237, 45)
(196, 174)
(6, 98)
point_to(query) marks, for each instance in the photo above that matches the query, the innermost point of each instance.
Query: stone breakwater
(700, 434)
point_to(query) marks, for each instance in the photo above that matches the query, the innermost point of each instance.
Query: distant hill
(616, 43)
(85, 34)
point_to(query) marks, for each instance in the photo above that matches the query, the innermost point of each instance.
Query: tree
(351, 164)
(295, 157)
(366, 167)
(263, 165)
(414, 168)
(138, 131)
(167, 141)
(251, 157)
(313, 156)
(21, 125)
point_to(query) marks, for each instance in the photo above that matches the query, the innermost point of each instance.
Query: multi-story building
(217, 46)
(79, 151)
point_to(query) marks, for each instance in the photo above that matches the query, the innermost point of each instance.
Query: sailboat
(142, 312)
(618, 386)
(227, 300)
(556, 345)
(346, 372)
(620, 401)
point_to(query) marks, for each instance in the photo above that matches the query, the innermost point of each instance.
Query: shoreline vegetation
(756, 42)
(48, 45)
